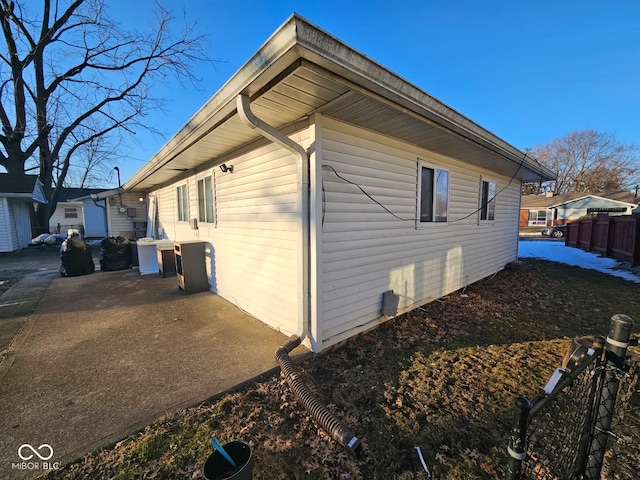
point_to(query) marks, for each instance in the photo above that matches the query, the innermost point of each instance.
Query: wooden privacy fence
(613, 237)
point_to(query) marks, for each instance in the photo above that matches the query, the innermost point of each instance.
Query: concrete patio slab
(101, 356)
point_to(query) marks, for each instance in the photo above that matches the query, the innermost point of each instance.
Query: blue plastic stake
(227, 457)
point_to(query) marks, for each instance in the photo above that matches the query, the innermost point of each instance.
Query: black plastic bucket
(217, 468)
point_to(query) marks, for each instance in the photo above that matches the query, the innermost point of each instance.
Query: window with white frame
(433, 194)
(182, 196)
(206, 200)
(487, 200)
(70, 212)
(537, 217)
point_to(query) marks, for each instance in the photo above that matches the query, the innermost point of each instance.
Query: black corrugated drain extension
(311, 403)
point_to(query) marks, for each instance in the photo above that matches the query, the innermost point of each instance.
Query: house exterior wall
(358, 250)
(251, 248)
(59, 217)
(22, 222)
(560, 214)
(120, 220)
(15, 225)
(580, 208)
(366, 251)
(94, 219)
(6, 244)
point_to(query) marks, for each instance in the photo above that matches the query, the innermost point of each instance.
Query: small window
(205, 200)
(70, 212)
(433, 193)
(487, 200)
(537, 215)
(183, 203)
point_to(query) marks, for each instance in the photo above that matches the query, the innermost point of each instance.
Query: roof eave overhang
(275, 55)
(23, 197)
(298, 40)
(327, 51)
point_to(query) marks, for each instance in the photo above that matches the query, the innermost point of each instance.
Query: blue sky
(528, 71)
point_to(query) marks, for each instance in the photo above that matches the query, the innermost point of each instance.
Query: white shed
(321, 181)
(17, 193)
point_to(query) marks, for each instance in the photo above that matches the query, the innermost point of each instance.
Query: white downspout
(302, 173)
(329, 422)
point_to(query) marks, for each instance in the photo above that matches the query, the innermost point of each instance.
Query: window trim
(490, 200)
(202, 199)
(434, 201)
(179, 205)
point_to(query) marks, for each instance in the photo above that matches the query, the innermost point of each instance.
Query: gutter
(327, 420)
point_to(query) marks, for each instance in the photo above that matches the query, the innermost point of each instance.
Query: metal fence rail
(567, 431)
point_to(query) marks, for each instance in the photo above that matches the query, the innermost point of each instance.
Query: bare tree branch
(76, 77)
(589, 161)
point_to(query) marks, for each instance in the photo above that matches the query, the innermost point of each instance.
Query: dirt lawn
(443, 377)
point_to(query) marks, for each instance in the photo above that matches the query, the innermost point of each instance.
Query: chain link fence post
(517, 447)
(616, 350)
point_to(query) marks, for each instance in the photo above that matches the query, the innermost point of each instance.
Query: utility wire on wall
(329, 167)
(369, 196)
(497, 193)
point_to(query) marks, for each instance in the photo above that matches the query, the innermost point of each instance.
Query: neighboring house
(77, 210)
(101, 213)
(320, 182)
(17, 193)
(546, 210)
(126, 213)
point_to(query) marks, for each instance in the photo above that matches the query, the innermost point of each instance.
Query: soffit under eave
(254, 76)
(303, 92)
(285, 94)
(368, 77)
(215, 129)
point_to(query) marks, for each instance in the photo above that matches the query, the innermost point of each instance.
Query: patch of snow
(556, 251)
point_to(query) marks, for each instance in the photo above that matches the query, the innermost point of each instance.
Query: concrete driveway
(89, 360)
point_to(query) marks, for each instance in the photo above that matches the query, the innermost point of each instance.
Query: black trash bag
(115, 254)
(76, 257)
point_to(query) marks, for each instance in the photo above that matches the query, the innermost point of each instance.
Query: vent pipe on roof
(327, 420)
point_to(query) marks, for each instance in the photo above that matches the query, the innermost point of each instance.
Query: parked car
(40, 239)
(556, 231)
(55, 239)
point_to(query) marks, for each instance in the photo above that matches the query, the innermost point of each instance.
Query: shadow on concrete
(100, 356)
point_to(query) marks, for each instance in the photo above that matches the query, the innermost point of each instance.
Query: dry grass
(443, 377)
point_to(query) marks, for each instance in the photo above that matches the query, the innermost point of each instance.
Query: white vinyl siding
(5, 226)
(22, 221)
(15, 225)
(123, 212)
(253, 255)
(61, 216)
(367, 250)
